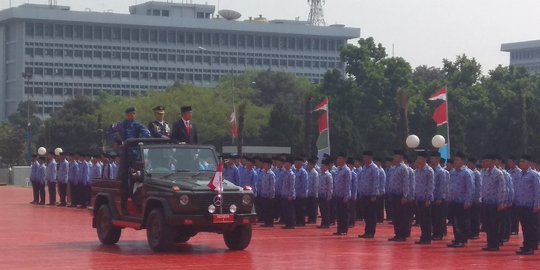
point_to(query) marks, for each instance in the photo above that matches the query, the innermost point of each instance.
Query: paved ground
(39, 237)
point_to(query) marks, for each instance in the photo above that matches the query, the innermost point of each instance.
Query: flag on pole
(440, 117)
(323, 142)
(216, 183)
(439, 95)
(234, 125)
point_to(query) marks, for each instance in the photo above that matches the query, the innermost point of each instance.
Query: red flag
(439, 95)
(440, 115)
(323, 106)
(323, 119)
(234, 125)
(216, 183)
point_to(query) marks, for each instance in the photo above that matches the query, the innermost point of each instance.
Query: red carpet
(40, 237)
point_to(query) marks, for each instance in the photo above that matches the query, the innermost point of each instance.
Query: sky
(422, 31)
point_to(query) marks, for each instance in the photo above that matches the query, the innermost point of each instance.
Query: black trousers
(370, 215)
(300, 210)
(324, 206)
(380, 208)
(389, 207)
(515, 220)
(506, 224)
(475, 219)
(342, 215)
(493, 224)
(400, 216)
(461, 221)
(529, 226)
(35, 192)
(278, 208)
(333, 210)
(52, 192)
(424, 217)
(267, 207)
(411, 210)
(438, 217)
(311, 209)
(352, 212)
(288, 213)
(259, 208)
(41, 188)
(74, 194)
(62, 192)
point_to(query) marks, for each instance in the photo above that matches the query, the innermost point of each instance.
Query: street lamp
(27, 77)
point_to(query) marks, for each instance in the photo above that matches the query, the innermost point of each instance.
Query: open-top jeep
(163, 187)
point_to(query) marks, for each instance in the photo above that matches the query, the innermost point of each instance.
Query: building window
(200, 15)
(156, 12)
(165, 13)
(29, 29)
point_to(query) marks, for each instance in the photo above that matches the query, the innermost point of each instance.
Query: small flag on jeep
(216, 183)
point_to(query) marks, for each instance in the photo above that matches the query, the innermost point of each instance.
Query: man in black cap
(342, 194)
(129, 128)
(399, 188)
(460, 197)
(184, 131)
(159, 128)
(440, 193)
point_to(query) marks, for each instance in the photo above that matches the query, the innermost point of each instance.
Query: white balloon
(58, 151)
(412, 141)
(42, 151)
(438, 141)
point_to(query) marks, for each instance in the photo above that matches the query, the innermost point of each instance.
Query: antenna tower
(52, 3)
(316, 13)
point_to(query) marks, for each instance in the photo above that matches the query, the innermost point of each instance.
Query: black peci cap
(527, 158)
(185, 109)
(159, 109)
(367, 153)
(130, 110)
(435, 154)
(399, 152)
(460, 155)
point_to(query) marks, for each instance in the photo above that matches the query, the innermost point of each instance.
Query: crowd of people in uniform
(491, 196)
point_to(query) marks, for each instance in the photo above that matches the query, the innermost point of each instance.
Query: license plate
(223, 218)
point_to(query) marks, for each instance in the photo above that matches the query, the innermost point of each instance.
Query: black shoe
(267, 226)
(525, 252)
(475, 237)
(32, 202)
(438, 238)
(366, 236)
(50, 204)
(456, 245)
(399, 239)
(423, 242)
(323, 227)
(514, 233)
(339, 234)
(288, 227)
(490, 249)
(41, 203)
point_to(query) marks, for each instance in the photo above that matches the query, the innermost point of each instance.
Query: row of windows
(523, 55)
(172, 37)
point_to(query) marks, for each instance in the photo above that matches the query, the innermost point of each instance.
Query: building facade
(524, 54)
(72, 53)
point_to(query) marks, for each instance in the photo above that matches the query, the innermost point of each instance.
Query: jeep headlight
(184, 200)
(211, 209)
(232, 208)
(246, 200)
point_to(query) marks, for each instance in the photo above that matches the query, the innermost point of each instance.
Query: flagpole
(447, 121)
(328, 120)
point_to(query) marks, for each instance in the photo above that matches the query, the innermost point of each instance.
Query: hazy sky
(422, 31)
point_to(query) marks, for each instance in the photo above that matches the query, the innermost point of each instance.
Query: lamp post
(27, 77)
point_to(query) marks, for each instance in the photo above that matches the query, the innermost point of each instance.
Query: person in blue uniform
(84, 180)
(73, 169)
(342, 194)
(515, 172)
(288, 193)
(50, 177)
(62, 178)
(493, 195)
(475, 206)
(382, 190)
(440, 192)
(460, 196)
(325, 191)
(369, 191)
(42, 179)
(424, 188)
(388, 170)
(184, 131)
(159, 128)
(354, 192)
(267, 191)
(301, 190)
(34, 168)
(230, 171)
(313, 190)
(527, 204)
(277, 168)
(129, 128)
(398, 188)
(411, 205)
(507, 212)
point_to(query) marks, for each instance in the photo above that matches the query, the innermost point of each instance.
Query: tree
(11, 144)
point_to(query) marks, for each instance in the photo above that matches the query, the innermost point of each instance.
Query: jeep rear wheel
(107, 233)
(239, 238)
(182, 237)
(159, 234)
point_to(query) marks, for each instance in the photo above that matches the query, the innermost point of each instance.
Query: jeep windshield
(169, 161)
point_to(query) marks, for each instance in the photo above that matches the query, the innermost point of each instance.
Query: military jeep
(163, 187)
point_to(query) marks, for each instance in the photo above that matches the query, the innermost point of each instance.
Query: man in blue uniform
(277, 168)
(506, 213)
(41, 179)
(382, 190)
(475, 206)
(527, 202)
(326, 189)
(515, 172)
(440, 193)
(34, 168)
(267, 191)
(73, 179)
(301, 190)
(354, 193)
(129, 128)
(399, 187)
(342, 194)
(184, 131)
(493, 201)
(369, 191)
(424, 188)
(288, 193)
(230, 171)
(313, 189)
(159, 128)
(62, 178)
(460, 196)
(50, 177)
(83, 180)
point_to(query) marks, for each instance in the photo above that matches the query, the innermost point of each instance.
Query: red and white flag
(234, 125)
(216, 184)
(441, 94)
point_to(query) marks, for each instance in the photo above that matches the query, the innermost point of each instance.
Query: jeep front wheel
(239, 238)
(107, 233)
(159, 234)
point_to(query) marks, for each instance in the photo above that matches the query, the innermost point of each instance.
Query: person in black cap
(399, 189)
(34, 168)
(159, 128)
(313, 189)
(326, 188)
(440, 192)
(460, 196)
(424, 187)
(129, 128)
(527, 204)
(342, 194)
(288, 193)
(184, 131)
(475, 206)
